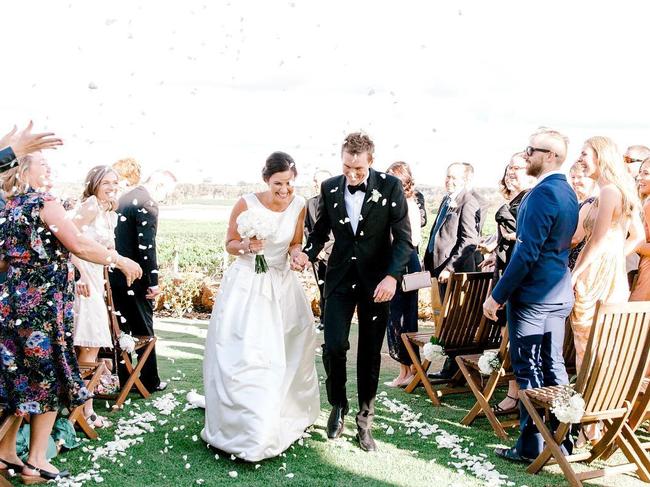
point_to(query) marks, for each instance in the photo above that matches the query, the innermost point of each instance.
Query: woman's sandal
(43, 475)
(92, 419)
(499, 410)
(4, 471)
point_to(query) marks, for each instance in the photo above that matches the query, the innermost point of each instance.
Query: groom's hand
(385, 290)
(299, 261)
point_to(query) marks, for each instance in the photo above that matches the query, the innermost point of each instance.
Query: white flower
(452, 205)
(489, 362)
(375, 195)
(127, 342)
(569, 406)
(432, 351)
(256, 223)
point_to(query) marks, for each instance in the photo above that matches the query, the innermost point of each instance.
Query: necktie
(444, 207)
(359, 187)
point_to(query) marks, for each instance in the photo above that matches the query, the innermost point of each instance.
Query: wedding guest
(403, 312)
(419, 198)
(40, 374)
(517, 184)
(536, 284)
(641, 291)
(96, 219)
(135, 237)
(311, 215)
(483, 206)
(3, 275)
(599, 273)
(585, 189)
(453, 239)
(633, 157)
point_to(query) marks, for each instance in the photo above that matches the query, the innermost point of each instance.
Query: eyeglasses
(531, 150)
(629, 160)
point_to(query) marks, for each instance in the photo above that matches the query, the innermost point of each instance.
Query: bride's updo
(278, 162)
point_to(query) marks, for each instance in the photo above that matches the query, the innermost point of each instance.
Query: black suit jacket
(457, 238)
(135, 236)
(381, 245)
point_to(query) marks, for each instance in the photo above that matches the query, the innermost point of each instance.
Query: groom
(367, 213)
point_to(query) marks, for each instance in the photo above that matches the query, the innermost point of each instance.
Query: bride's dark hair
(278, 162)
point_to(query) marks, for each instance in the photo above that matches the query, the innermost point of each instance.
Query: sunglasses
(531, 150)
(629, 160)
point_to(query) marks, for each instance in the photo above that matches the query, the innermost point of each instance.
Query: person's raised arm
(24, 142)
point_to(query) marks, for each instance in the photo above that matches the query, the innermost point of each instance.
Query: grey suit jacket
(456, 239)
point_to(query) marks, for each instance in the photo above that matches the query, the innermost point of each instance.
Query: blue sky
(209, 89)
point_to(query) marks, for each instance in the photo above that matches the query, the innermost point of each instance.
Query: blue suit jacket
(538, 269)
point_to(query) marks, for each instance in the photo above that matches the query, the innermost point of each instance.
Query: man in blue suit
(537, 283)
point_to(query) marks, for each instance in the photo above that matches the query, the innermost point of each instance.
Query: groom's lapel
(339, 205)
(368, 204)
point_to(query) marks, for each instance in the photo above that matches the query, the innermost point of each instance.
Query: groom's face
(356, 167)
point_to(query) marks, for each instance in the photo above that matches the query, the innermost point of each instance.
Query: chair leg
(634, 452)
(551, 445)
(420, 373)
(482, 402)
(134, 376)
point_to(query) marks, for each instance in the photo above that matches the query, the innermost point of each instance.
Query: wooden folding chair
(617, 355)
(91, 371)
(484, 388)
(462, 329)
(141, 342)
(5, 423)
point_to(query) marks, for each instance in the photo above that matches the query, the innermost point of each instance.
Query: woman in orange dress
(641, 291)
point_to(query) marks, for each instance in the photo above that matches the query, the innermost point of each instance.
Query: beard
(534, 169)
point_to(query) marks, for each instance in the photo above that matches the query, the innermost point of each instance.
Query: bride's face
(281, 185)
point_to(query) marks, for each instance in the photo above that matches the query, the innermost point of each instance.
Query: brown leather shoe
(335, 421)
(366, 441)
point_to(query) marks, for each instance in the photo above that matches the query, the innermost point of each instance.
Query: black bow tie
(359, 187)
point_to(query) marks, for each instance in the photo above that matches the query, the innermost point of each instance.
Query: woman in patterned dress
(39, 371)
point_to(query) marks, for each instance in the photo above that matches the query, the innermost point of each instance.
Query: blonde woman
(96, 218)
(613, 229)
(641, 291)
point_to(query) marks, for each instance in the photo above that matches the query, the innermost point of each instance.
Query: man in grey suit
(454, 236)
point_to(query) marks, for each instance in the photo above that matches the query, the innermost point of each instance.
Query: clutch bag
(416, 280)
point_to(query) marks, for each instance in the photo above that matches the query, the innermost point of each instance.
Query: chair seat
(544, 396)
(420, 339)
(471, 360)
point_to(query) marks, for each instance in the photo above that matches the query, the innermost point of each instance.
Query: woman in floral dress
(39, 371)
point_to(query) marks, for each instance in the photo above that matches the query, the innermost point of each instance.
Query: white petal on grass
(233, 474)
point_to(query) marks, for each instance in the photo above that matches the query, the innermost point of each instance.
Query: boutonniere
(374, 197)
(452, 205)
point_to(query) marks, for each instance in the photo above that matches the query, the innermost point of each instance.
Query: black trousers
(138, 313)
(373, 318)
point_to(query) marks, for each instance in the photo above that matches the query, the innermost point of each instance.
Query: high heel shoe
(499, 410)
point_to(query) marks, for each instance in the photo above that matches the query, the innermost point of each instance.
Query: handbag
(416, 280)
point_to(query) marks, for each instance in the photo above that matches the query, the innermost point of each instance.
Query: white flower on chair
(489, 362)
(127, 342)
(569, 406)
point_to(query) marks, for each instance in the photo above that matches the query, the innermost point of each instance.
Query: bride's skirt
(260, 380)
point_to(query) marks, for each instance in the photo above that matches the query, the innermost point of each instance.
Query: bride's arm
(296, 242)
(235, 245)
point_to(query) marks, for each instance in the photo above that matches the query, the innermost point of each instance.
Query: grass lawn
(173, 455)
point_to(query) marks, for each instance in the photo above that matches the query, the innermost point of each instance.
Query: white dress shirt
(353, 204)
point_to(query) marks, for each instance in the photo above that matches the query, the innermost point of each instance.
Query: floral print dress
(38, 368)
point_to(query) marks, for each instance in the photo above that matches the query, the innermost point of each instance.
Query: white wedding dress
(259, 375)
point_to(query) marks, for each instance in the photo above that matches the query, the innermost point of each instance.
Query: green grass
(404, 460)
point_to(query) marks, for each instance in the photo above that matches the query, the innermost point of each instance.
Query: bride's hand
(256, 245)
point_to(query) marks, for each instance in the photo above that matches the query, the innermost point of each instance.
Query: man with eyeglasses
(536, 284)
(633, 158)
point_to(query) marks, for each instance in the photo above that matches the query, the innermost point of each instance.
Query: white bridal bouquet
(569, 406)
(260, 225)
(433, 349)
(489, 362)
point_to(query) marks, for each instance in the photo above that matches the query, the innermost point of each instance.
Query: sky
(210, 89)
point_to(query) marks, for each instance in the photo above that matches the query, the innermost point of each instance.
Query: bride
(259, 377)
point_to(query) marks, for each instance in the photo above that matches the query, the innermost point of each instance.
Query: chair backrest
(463, 323)
(616, 357)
